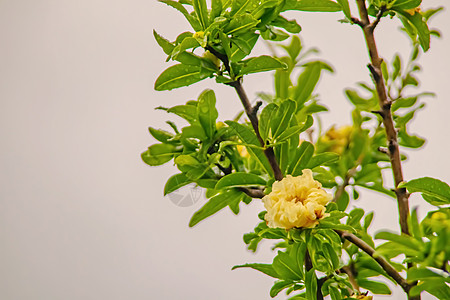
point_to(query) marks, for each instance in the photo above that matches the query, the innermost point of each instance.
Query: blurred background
(82, 217)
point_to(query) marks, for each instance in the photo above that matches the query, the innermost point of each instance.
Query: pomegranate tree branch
(385, 112)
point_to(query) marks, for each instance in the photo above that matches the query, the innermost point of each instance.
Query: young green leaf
(406, 4)
(207, 112)
(249, 137)
(158, 154)
(214, 204)
(313, 5)
(345, 8)
(264, 121)
(307, 81)
(286, 267)
(279, 286)
(301, 158)
(187, 112)
(180, 75)
(239, 179)
(201, 10)
(437, 192)
(282, 118)
(421, 26)
(264, 268)
(322, 159)
(311, 285)
(374, 286)
(261, 64)
(175, 182)
(178, 6)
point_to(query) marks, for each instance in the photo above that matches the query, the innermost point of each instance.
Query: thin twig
(390, 270)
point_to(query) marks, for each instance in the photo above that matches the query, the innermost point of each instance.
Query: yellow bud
(220, 125)
(439, 216)
(199, 35)
(412, 11)
(242, 151)
(212, 57)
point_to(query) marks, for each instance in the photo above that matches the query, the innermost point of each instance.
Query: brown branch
(390, 270)
(385, 113)
(351, 273)
(251, 114)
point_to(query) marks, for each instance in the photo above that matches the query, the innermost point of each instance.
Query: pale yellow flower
(337, 139)
(296, 202)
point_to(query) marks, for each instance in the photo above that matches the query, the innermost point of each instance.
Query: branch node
(256, 107)
(357, 21)
(383, 150)
(375, 73)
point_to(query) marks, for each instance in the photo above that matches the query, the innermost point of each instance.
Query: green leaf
(435, 286)
(241, 24)
(306, 83)
(240, 179)
(421, 26)
(374, 286)
(403, 239)
(207, 112)
(345, 8)
(437, 192)
(322, 159)
(264, 121)
(187, 112)
(178, 6)
(301, 159)
(163, 43)
(158, 154)
(311, 285)
(282, 118)
(406, 4)
(249, 137)
(160, 135)
(264, 268)
(279, 286)
(261, 64)
(312, 5)
(180, 75)
(201, 10)
(290, 26)
(175, 182)
(286, 267)
(214, 204)
(335, 294)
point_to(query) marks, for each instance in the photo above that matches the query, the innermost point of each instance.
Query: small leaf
(406, 4)
(264, 268)
(438, 190)
(240, 179)
(313, 5)
(160, 135)
(180, 75)
(175, 182)
(374, 286)
(279, 286)
(261, 64)
(158, 154)
(214, 204)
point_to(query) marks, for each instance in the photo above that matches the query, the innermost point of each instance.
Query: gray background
(81, 216)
